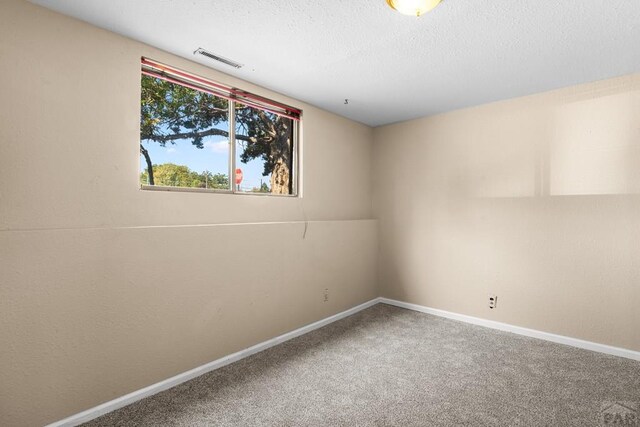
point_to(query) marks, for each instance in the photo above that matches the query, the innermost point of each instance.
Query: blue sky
(214, 157)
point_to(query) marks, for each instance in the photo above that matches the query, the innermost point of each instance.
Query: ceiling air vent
(201, 51)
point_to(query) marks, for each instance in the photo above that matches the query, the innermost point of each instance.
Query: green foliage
(172, 175)
(169, 109)
(269, 136)
(264, 188)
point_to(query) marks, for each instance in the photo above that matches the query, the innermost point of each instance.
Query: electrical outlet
(326, 295)
(493, 301)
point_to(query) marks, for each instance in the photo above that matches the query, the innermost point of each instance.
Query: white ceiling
(391, 67)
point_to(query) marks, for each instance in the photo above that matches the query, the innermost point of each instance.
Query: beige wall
(105, 288)
(534, 199)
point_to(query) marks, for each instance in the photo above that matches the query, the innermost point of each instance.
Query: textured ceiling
(391, 67)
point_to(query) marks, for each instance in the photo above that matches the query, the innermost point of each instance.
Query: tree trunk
(281, 152)
(145, 153)
(281, 178)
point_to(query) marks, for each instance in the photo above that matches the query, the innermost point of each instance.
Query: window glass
(184, 137)
(187, 140)
(264, 151)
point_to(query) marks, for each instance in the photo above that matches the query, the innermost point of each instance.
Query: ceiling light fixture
(413, 7)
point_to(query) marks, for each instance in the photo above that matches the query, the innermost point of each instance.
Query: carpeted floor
(387, 366)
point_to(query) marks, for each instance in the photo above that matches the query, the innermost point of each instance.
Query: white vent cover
(201, 51)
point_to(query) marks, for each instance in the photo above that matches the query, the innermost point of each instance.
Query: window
(198, 135)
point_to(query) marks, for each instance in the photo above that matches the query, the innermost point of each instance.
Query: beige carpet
(386, 366)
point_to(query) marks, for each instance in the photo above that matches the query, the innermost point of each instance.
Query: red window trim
(174, 75)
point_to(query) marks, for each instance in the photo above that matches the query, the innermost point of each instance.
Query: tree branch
(195, 134)
(145, 153)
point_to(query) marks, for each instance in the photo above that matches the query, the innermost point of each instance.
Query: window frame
(232, 101)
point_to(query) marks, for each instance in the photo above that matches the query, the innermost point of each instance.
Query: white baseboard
(560, 339)
(130, 398)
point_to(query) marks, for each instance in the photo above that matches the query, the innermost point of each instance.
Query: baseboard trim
(547, 336)
(130, 398)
